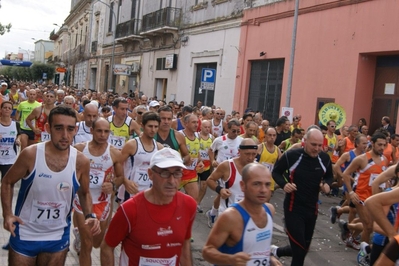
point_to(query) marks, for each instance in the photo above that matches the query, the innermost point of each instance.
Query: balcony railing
(128, 28)
(94, 47)
(166, 17)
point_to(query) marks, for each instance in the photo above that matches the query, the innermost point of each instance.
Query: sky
(30, 19)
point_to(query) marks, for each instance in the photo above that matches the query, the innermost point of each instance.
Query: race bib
(45, 136)
(5, 152)
(142, 179)
(193, 164)
(204, 155)
(268, 166)
(47, 212)
(372, 178)
(96, 178)
(157, 261)
(117, 142)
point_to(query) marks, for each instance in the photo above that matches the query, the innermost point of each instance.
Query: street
(326, 248)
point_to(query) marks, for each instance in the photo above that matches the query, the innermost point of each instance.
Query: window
(133, 11)
(160, 64)
(111, 11)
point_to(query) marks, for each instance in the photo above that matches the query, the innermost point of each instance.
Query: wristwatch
(91, 215)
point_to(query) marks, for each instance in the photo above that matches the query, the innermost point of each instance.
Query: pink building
(347, 52)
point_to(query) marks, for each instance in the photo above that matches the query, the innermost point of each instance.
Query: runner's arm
(183, 148)
(220, 233)
(219, 172)
(83, 175)
(186, 257)
(382, 178)
(134, 127)
(352, 167)
(375, 204)
(118, 167)
(33, 116)
(337, 167)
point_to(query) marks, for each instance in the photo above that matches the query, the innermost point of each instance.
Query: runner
(106, 174)
(217, 123)
(348, 143)
(206, 139)
(295, 138)
(122, 125)
(262, 130)
(225, 180)
(51, 173)
(369, 165)
(178, 123)
(190, 177)
(243, 233)
(309, 170)
(23, 111)
(250, 131)
(10, 138)
(269, 153)
(39, 115)
(169, 137)
(226, 147)
(136, 155)
(83, 134)
(154, 226)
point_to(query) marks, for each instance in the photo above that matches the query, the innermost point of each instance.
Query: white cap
(5, 84)
(166, 158)
(154, 103)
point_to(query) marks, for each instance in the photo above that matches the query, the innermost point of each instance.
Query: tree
(37, 70)
(4, 28)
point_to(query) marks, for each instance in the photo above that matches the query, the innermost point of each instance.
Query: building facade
(347, 52)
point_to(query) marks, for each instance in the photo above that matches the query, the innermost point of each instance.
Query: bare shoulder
(271, 208)
(80, 146)
(179, 136)
(159, 146)
(28, 155)
(81, 161)
(115, 153)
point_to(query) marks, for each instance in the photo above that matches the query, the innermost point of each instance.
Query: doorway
(161, 88)
(199, 95)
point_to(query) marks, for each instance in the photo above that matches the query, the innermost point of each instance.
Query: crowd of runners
(81, 150)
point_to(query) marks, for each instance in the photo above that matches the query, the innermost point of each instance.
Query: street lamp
(27, 52)
(44, 49)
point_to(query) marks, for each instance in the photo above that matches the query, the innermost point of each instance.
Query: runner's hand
(354, 198)
(290, 187)
(107, 188)
(131, 187)
(240, 259)
(95, 225)
(274, 261)
(9, 223)
(225, 193)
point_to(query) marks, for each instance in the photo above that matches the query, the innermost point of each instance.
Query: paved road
(326, 249)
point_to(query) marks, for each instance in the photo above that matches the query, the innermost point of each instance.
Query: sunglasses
(139, 113)
(218, 113)
(235, 131)
(332, 126)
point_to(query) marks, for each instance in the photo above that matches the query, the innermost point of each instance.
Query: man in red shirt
(154, 226)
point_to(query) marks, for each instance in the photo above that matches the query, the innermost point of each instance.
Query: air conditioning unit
(136, 67)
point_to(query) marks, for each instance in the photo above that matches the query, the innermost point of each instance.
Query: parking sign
(208, 79)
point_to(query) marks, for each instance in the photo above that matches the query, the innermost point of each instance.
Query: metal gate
(265, 88)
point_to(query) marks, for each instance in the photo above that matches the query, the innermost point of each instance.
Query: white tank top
(233, 184)
(136, 168)
(8, 135)
(45, 199)
(256, 241)
(83, 134)
(101, 170)
(227, 148)
(217, 129)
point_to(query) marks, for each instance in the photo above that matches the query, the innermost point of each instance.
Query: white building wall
(208, 47)
(80, 75)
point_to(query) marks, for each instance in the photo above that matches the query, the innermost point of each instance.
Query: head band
(248, 147)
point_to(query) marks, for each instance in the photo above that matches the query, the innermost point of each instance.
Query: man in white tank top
(217, 123)
(136, 155)
(242, 234)
(106, 174)
(83, 134)
(225, 180)
(51, 173)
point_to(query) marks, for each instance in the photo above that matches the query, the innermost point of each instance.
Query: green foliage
(33, 73)
(5, 28)
(37, 70)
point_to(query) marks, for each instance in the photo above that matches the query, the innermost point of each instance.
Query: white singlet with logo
(8, 135)
(101, 170)
(227, 148)
(83, 134)
(217, 129)
(136, 168)
(45, 199)
(233, 184)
